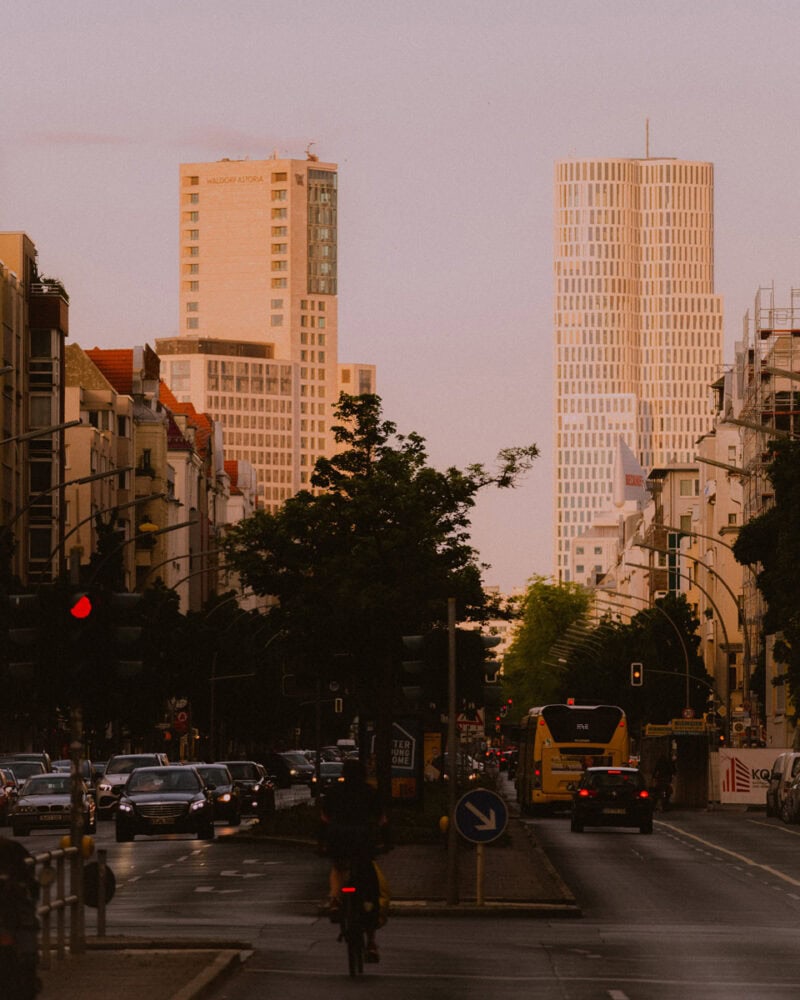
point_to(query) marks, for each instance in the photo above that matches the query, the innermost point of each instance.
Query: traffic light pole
(452, 751)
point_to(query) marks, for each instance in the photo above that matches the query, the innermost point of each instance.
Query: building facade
(638, 328)
(258, 328)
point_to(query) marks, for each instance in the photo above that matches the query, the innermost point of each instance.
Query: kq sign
(744, 775)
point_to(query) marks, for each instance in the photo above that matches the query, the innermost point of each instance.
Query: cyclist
(352, 820)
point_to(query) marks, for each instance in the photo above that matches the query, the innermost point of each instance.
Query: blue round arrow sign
(481, 816)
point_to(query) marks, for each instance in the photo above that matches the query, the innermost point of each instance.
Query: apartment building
(258, 342)
(34, 320)
(638, 328)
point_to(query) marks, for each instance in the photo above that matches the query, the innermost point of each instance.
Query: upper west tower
(258, 251)
(638, 328)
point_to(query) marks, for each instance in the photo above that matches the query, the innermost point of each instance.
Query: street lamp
(42, 432)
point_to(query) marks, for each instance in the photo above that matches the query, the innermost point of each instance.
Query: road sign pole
(479, 874)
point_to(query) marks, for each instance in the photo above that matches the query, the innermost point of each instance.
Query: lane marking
(618, 995)
(733, 854)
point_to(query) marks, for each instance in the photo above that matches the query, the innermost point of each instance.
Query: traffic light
(126, 632)
(23, 634)
(637, 674)
(412, 669)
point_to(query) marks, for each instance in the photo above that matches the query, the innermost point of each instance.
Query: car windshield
(47, 785)
(216, 775)
(295, 758)
(163, 780)
(26, 768)
(243, 770)
(124, 765)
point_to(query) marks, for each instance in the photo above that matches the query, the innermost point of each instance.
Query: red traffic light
(81, 606)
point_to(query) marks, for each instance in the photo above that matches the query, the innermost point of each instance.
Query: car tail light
(644, 794)
(348, 888)
(587, 793)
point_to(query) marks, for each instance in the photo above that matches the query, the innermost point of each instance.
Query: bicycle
(357, 914)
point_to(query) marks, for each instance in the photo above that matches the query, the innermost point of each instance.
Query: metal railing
(60, 898)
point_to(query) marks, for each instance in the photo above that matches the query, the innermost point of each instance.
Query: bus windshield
(581, 724)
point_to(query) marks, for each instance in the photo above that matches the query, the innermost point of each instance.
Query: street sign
(481, 816)
(473, 721)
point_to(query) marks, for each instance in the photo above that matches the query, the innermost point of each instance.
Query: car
(785, 768)
(24, 769)
(45, 803)
(87, 770)
(330, 774)
(612, 796)
(469, 770)
(165, 799)
(291, 767)
(9, 791)
(225, 795)
(256, 788)
(42, 758)
(117, 771)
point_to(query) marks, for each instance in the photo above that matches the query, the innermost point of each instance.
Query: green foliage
(664, 639)
(547, 611)
(770, 543)
(373, 555)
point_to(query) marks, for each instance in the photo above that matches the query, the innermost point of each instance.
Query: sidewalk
(519, 880)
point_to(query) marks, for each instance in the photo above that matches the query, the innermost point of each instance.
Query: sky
(446, 119)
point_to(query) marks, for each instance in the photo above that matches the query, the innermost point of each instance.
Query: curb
(204, 981)
(500, 908)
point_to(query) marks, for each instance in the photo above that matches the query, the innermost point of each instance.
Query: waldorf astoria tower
(257, 346)
(638, 328)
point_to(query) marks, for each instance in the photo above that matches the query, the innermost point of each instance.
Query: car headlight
(225, 797)
(199, 804)
(293, 772)
(125, 807)
(104, 788)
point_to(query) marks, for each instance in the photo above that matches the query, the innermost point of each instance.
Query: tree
(373, 554)
(547, 611)
(771, 542)
(663, 638)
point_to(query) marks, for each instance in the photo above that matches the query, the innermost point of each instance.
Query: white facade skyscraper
(638, 328)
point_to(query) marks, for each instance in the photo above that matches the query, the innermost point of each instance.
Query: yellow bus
(557, 742)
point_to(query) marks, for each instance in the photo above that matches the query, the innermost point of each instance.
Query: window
(686, 524)
(194, 199)
(194, 286)
(192, 323)
(194, 269)
(279, 176)
(279, 213)
(194, 216)
(280, 230)
(280, 247)
(193, 181)
(194, 251)
(194, 234)
(686, 487)
(276, 320)
(279, 195)
(280, 265)
(192, 307)
(279, 283)
(276, 303)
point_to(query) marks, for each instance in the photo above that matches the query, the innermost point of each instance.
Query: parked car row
(783, 788)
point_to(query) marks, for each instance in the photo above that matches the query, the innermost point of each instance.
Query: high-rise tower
(638, 328)
(258, 338)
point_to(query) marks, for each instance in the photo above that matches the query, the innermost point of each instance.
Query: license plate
(161, 821)
(55, 818)
(614, 812)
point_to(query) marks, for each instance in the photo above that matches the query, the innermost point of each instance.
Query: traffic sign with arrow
(481, 816)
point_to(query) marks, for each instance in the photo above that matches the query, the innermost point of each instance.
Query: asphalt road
(704, 909)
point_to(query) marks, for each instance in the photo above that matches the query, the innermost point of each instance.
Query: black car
(291, 768)
(256, 789)
(612, 796)
(171, 799)
(225, 794)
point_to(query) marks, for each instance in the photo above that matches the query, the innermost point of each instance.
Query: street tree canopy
(770, 543)
(374, 553)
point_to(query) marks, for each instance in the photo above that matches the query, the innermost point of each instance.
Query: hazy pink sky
(445, 118)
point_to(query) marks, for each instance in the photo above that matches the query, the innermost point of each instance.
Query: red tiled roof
(116, 365)
(200, 421)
